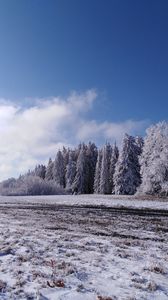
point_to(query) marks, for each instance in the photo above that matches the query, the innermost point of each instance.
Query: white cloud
(109, 130)
(31, 135)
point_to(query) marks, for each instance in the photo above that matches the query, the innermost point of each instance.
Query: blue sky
(114, 49)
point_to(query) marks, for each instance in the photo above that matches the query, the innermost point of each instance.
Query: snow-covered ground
(54, 248)
(93, 200)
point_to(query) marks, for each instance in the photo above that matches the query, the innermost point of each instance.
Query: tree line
(140, 165)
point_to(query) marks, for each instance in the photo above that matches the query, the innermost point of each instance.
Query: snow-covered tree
(154, 160)
(59, 170)
(97, 173)
(49, 170)
(70, 171)
(65, 153)
(27, 185)
(40, 171)
(140, 143)
(85, 169)
(79, 184)
(91, 158)
(127, 174)
(105, 170)
(113, 161)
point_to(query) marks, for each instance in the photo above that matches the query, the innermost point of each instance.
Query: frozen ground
(91, 200)
(83, 248)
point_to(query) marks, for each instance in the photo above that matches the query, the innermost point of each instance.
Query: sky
(78, 70)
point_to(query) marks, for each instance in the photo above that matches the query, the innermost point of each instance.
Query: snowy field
(91, 200)
(83, 248)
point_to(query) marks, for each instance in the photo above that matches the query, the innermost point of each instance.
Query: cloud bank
(33, 134)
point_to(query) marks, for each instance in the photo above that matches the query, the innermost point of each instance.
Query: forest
(139, 165)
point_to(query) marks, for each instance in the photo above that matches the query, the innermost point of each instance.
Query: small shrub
(2, 286)
(152, 286)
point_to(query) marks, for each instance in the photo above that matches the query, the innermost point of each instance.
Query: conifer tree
(70, 171)
(49, 170)
(97, 173)
(113, 161)
(40, 171)
(79, 184)
(59, 170)
(127, 174)
(154, 160)
(105, 170)
(91, 158)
